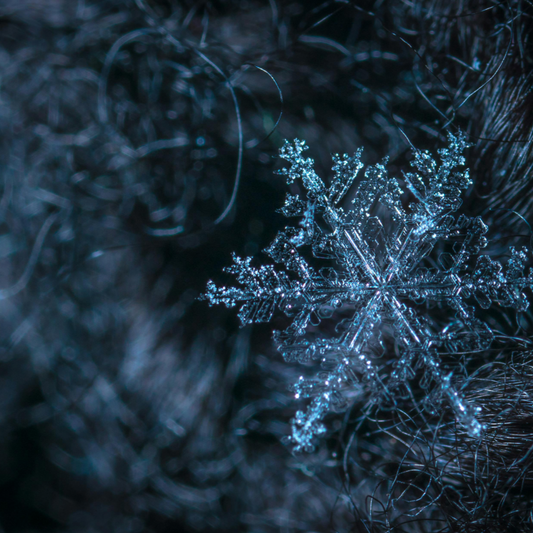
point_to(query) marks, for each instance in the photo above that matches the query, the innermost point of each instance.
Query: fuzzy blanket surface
(139, 144)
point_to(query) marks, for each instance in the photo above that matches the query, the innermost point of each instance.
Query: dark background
(128, 405)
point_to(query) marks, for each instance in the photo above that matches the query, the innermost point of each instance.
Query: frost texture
(391, 262)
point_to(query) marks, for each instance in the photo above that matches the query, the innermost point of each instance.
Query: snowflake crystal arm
(379, 251)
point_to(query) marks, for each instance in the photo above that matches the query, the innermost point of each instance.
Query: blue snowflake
(397, 253)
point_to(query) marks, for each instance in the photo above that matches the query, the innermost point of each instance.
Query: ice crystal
(395, 255)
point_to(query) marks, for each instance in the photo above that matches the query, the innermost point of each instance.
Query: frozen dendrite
(389, 263)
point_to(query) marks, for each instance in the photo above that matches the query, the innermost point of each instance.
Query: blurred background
(138, 149)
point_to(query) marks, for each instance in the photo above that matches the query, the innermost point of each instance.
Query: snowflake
(398, 253)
